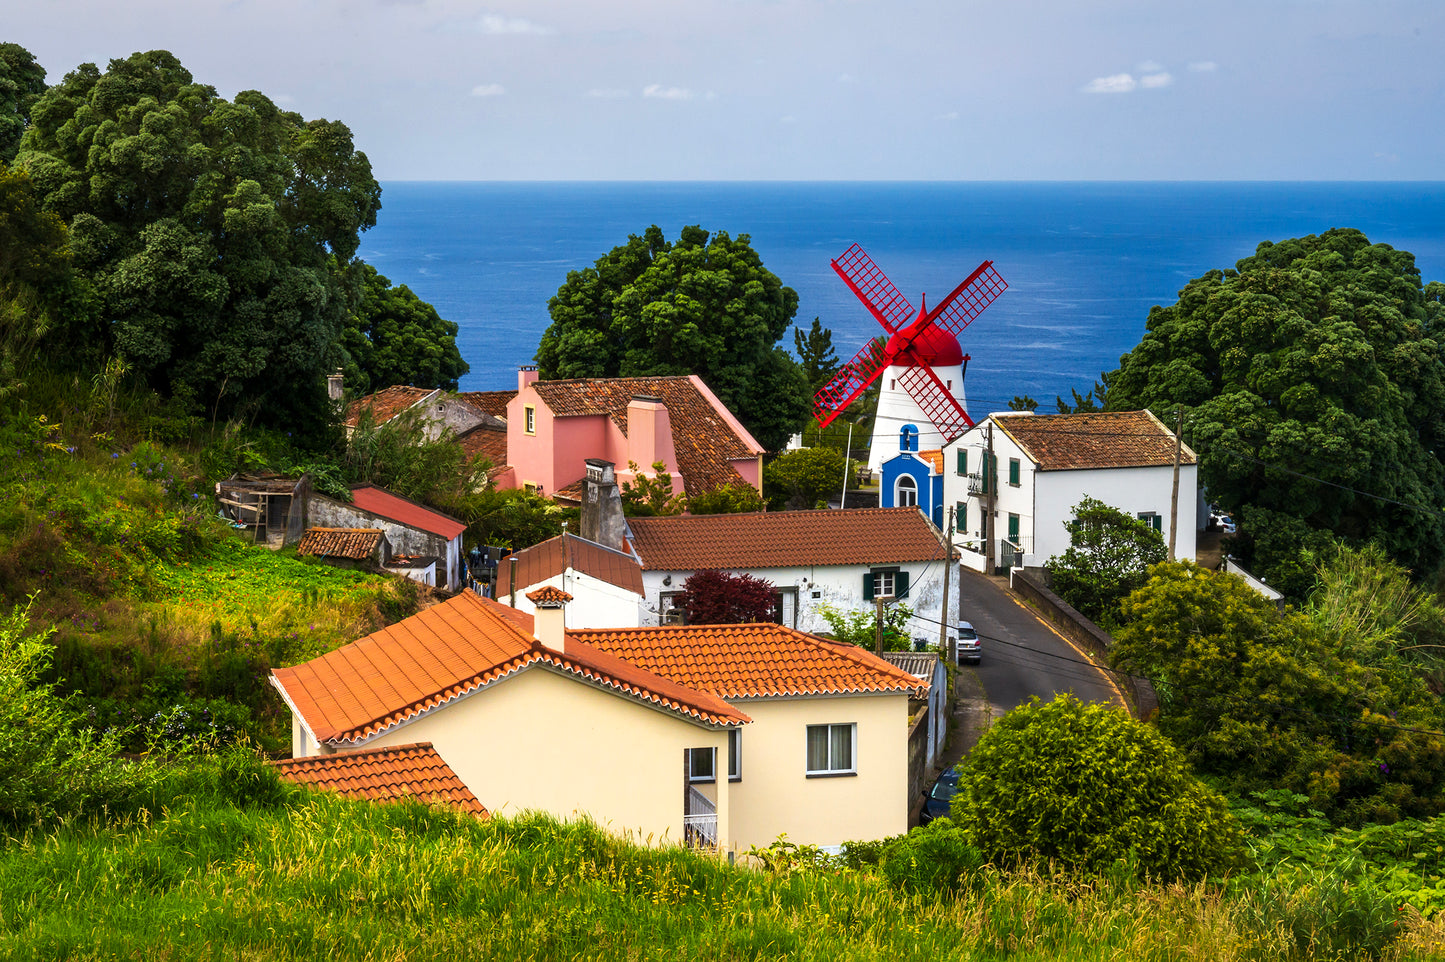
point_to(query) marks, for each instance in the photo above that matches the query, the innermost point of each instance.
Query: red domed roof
(933, 347)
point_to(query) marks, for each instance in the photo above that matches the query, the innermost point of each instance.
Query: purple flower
(1385, 768)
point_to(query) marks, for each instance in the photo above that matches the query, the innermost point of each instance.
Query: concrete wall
(324, 512)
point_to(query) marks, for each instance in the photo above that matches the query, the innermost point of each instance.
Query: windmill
(921, 362)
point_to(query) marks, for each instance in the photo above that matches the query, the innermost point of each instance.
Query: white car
(968, 645)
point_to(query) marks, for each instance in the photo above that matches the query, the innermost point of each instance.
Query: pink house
(553, 427)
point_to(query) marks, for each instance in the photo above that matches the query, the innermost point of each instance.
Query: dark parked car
(936, 802)
(968, 647)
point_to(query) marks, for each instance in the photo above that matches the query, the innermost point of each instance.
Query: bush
(1081, 787)
(937, 858)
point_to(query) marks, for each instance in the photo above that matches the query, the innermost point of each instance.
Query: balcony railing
(699, 820)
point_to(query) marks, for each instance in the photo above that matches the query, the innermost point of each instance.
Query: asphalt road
(1022, 655)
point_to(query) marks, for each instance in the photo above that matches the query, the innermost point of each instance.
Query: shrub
(1081, 787)
(719, 598)
(937, 858)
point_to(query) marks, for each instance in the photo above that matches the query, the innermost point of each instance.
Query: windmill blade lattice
(935, 402)
(867, 280)
(978, 291)
(848, 384)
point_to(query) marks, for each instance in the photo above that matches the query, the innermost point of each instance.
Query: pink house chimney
(526, 374)
(649, 433)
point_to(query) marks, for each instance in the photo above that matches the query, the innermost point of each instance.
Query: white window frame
(905, 497)
(529, 419)
(882, 577)
(735, 755)
(834, 766)
(695, 772)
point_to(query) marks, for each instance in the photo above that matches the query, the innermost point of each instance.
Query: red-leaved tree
(719, 598)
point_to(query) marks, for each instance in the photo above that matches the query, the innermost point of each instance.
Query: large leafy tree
(721, 598)
(803, 478)
(22, 81)
(816, 354)
(35, 275)
(395, 337)
(214, 232)
(1314, 388)
(1109, 555)
(703, 305)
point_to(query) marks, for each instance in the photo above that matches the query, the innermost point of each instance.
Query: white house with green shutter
(1043, 465)
(844, 559)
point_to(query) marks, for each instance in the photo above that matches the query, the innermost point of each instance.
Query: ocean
(1084, 261)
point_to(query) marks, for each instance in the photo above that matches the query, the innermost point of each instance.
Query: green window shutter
(1013, 528)
(1013, 470)
(962, 461)
(960, 517)
(1159, 523)
(868, 586)
(900, 585)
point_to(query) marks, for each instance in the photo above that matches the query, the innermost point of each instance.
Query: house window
(830, 750)
(1153, 520)
(1013, 528)
(962, 461)
(907, 492)
(960, 516)
(785, 607)
(529, 419)
(885, 583)
(702, 764)
(735, 755)
(669, 612)
(1013, 471)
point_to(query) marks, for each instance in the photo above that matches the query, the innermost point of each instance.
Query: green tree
(816, 354)
(1023, 403)
(1088, 402)
(651, 494)
(704, 305)
(212, 230)
(400, 457)
(1312, 377)
(35, 275)
(804, 478)
(1109, 555)
(721, 598)
(22, 81)
(395, 337)
(727, 499)
(1076, 786)
(860, 626)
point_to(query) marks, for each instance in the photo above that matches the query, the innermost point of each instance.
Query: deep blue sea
(1084, 261)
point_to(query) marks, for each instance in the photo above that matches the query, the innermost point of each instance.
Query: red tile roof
(1112, 439)
(933, 457)
(449, 650)
(785, 539)
(384, 775)
(492, 402)
(387, 403)
(751, 661)
(705, 433)
(355, 543)
(396, 508)
(548, 595)
(489, 442)
(552, 557)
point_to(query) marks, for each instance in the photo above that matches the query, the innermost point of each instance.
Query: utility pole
(1174, 498)
(847, 454)
(989, 490)
(947, 570)
(512, 580)
(878, 624)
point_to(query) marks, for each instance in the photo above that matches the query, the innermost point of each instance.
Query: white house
(605, 583)
(1043, 465)
(844, 559)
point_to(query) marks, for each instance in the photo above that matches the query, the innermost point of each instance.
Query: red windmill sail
(892, 310)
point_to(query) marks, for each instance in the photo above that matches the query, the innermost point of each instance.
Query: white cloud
(488, 90)
(1119, 83)
(497, 25)
(659, 92)
(1153, 81)
(1204, 66)
(607, 93)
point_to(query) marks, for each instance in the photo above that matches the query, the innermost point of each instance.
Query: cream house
(724, 736)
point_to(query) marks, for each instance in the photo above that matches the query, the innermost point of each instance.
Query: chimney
(526, 374)
(649, 434)
(602, 520)
(549, 622)
(334, 385)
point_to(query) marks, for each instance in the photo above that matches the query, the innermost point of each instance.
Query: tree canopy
(22, 81)
(395, 337)
(1314, 388)
(721, 598)
(703, 305)
(803, 479)
(1109, 555)
(816, 354)
(215, 233)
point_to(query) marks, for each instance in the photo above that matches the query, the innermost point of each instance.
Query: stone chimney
(649, 435)
(549, 621)
(335, 386)
(526, 374)
(602, 520)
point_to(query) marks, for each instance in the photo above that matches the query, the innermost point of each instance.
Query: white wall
(595, 603)
(896, 408)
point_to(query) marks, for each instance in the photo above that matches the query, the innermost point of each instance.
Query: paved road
(1022, 655)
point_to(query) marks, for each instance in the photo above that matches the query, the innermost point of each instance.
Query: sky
(815, 89)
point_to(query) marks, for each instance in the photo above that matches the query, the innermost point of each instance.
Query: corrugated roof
(447, 651)
(387, 403)
(369, 497)
(552, 557)
(1111, 439)
(492, 402)
(355, 543)
(785, 539)
(751, 661)
(920, 664)
(705, 434)
(384, 775)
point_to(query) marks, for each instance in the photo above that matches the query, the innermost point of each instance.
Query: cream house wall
(775, 794)
(542, 741)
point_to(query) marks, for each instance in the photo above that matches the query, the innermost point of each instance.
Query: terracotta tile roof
(751, 661)
(355, 543)
(449, 650)
(785, 539)
(489, 442)
(368, 497)
(1112, 439)
(386, 403)
(548, 595)
(934, 457)
(384, 775)
(492, 402)
(705, 434)
(555, 555)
